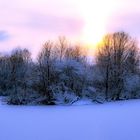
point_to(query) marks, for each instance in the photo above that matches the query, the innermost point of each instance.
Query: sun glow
(96, 14)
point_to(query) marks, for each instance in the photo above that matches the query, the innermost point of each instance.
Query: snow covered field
(109, 121)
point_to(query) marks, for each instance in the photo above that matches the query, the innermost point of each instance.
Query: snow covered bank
(109, 121)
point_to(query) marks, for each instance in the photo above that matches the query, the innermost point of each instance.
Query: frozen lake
(109, 121)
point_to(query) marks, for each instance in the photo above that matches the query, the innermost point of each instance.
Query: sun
(93, 33)
(96, 15)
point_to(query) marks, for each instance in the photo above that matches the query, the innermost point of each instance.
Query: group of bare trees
(56, 71)
(62, 73)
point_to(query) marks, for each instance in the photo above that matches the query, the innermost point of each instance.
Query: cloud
(128, 22)
(4, 36)
(54, 23)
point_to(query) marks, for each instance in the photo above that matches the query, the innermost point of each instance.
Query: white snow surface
(108, 121)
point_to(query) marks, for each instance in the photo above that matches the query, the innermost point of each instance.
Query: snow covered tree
(73, 69)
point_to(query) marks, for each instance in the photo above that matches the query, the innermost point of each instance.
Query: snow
(108, 121)
(83, 102)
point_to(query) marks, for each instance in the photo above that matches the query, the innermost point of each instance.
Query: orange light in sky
(96, 15)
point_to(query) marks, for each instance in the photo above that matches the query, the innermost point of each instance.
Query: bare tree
(62, 46)
(77, 53)
(133, 60)
(113, 54)
(45, 71)
(4, 74)
(19, 62)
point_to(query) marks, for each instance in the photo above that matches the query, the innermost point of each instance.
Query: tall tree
(115, 51)
(19, 76)
(45, 67)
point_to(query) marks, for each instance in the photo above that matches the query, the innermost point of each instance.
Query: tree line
(62, 73)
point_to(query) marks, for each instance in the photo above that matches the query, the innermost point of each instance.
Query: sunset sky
(29, 23)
